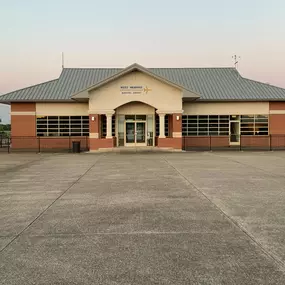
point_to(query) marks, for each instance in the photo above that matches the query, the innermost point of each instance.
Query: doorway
(234, 132)
(135, 133)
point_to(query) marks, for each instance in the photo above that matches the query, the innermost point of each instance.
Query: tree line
(5, 129)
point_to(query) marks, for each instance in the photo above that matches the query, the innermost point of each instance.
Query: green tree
(5, 129)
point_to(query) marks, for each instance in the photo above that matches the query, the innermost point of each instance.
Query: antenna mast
(62, 60)
(236, 61)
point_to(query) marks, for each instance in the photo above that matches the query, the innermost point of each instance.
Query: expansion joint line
(50, 205)
(275, 259)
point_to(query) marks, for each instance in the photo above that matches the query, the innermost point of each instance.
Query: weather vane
(236, 60)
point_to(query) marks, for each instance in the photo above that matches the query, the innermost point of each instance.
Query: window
(156, 125)
(224, 125)
(64, 126)
(54, 126)
(205, 125)
(254, 125)
(75, 126)
(247, 125)
(166, 125)
(218, 125)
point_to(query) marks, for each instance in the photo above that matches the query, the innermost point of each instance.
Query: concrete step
(135, 149)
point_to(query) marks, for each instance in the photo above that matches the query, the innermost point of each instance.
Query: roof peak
(137, 65)
(127, 70)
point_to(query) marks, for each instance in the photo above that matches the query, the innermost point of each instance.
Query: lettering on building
(134, 89)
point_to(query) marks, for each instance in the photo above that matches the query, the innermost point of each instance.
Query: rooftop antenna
(236, 62)
(62, 60)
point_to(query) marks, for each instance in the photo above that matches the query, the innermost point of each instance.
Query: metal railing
(189, 143)
(234, 142)
(4, 141)
(42, 144)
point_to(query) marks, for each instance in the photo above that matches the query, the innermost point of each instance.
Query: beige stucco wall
(162, 96)
(62, 109)
(135, 108)
(227, 108)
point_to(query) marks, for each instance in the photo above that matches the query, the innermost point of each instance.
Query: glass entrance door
(130, 132)
(135, 134)
(140, 132)
(234, 132)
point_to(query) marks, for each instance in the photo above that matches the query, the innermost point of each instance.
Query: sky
(153, 33)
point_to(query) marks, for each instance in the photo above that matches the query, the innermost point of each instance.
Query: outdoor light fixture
(93, 119)
(177, 118)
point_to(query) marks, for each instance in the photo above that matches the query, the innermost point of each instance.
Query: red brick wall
(94, 126)
(246, 141)
(196, 141)
(255, 141)
(174, 126)
(23, 125)
(23, 107)
(217, 141)
(206, 141)
(278, 141)
(170, 142)
(95, 144)
(24, 143)
(277, 124)
(42, 143)
(177, 124)
(276, 105)
(277, 121)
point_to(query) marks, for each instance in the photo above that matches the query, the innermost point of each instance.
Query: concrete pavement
(176, 218)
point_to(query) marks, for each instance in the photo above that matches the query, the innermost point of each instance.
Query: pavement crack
(268, 173)
(50, 205)
(274, 258)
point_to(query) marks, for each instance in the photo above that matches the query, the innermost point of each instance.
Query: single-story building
(139, 106)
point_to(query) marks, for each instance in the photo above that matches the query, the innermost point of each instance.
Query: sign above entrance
(134, 89)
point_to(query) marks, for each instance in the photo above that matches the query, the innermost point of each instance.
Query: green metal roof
(215, 84)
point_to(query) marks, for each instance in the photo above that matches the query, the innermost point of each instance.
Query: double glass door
(135, 133)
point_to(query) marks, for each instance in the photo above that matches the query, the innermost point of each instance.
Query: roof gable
(129, 69)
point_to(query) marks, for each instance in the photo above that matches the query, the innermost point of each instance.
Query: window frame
(61, 126)
(195, 125)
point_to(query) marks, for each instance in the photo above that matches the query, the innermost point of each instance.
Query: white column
(109, 126)
(161, 126)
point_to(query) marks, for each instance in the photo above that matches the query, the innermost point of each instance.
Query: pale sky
(153, 33)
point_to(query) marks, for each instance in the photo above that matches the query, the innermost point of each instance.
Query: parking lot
(142, 218)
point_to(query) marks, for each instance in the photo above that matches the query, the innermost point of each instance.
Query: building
(137, 106)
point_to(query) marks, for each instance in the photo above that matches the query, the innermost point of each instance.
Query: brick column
(23, 125)
(96, 142)
(175, 141)
(277, 124)
(23, 119)
(177, 125)
(94, 126)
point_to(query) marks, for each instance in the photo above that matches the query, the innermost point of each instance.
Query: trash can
(76, 147)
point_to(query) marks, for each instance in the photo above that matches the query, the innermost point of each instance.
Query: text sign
(134, 89)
